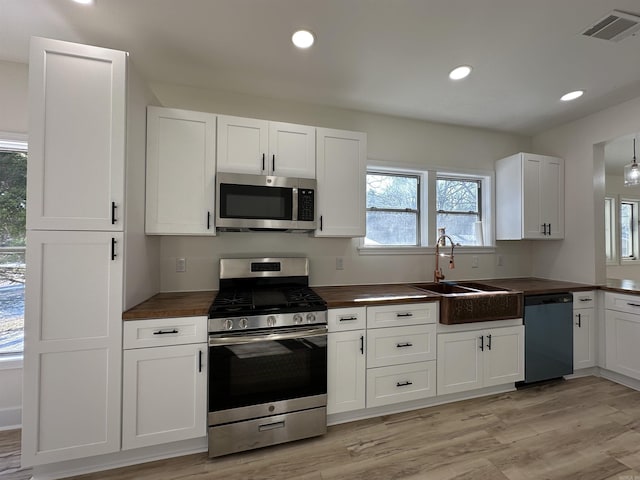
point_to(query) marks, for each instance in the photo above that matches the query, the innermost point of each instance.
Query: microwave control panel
(306, 205)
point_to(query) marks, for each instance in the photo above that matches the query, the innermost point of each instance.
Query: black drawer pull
(404, 384)
(405, 344)
(165, 332)
(404, 314)
(348, 319)
(586, 299)
(633, 304)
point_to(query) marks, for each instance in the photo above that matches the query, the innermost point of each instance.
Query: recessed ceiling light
(460, 72)
(84, 2)
(567, 97)
(303, 39)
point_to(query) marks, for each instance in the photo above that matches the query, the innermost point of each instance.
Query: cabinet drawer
(343, 319)
(400, 383)
(164, 331)
(398, 315)
(394, 346)
(622, 303)
(584, 300)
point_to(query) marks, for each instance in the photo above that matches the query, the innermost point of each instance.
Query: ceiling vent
(615, 26)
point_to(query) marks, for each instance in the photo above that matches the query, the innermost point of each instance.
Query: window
(13, 176)
(629, 229)
(393, 214)
(407, 208)
(458, 207)
(610, 230)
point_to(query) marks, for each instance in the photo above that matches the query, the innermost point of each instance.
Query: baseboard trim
(10, 418)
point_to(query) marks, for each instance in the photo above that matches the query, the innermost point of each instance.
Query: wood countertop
(631, 287)
(364, 295)
(173, 304)
(537, 286)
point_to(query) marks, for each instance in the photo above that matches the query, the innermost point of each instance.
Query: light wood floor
(584, 429)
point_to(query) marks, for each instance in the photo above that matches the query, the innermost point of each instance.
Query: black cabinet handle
(404, 384)
(263, 161)
(633, 304)
(405, 344)
(320, 222)
(208, 220)
(579, 324)
(549, 229)
(347, 319)
(362, 344)
(273, 163)
(481, 343)
(404, 314)
(586, 299)
(544, 228)
(113, 248)
(489, 342)
(199, 361)
(165, 332)
(113, 213)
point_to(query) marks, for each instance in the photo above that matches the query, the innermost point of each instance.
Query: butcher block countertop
(170, 305)
(194, 304)
(364, 295)
(631, 287)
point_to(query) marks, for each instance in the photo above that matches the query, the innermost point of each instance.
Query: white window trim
(614, 227)
(18, 142)
(428, 212)
(636, 227)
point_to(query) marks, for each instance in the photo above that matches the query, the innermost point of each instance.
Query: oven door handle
(216, 341)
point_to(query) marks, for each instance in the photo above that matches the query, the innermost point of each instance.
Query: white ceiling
(387, 56)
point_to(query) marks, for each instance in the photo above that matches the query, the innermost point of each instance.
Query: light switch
(181, 265)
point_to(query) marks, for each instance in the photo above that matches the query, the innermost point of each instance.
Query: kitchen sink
(467, 302)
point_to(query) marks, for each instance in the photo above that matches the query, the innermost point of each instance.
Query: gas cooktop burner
(266, 300)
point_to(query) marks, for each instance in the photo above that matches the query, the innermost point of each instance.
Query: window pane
(391, 228)
(461, 228)
(626, 229)
(457, 195)
(13, 176)
(392, 191)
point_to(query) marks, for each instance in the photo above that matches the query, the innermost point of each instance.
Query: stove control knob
(227, 324)
(297, 318)
(311, 317)
(271, 320)
(243, 322)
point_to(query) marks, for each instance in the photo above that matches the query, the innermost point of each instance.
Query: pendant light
(632, 171)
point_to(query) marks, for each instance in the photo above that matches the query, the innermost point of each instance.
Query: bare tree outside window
(458, 208)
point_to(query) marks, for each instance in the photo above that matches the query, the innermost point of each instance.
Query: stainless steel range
(267, 356)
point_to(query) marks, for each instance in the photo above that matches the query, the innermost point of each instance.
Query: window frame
(417, 211)
(428, 208)
(611, 224)
(635, 230)
(478, 212)
(16, 142)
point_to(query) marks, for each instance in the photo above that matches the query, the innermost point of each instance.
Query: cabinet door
(459, 362)
(164, 396)
(72, 361)
(532, 171)
(584, 344)
(622, 334)
(180, 172)
(77, 110)
(292, 150)
(346, 371)
(552, 197)
(341, 175)
(400, 383)
(243, 145)
(503, 356)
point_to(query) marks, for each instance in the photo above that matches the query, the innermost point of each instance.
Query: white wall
(396, 140)
(13, 119)
(580, 257)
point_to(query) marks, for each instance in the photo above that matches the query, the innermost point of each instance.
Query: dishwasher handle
(548, 299)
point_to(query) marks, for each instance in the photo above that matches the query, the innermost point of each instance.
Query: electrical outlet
(474, 262)
(339, 263)
(181, 265)
(499, 260)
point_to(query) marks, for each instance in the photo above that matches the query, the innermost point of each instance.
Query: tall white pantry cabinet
(86, 146)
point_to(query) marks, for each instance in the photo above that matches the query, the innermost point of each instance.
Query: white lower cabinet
(346, 360)
(480, 358)
(622, 334)
(164, 387)
(584, 331)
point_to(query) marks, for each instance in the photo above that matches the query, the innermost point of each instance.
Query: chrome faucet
(442, 242)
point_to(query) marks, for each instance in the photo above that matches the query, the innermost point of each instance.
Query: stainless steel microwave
(258, 202)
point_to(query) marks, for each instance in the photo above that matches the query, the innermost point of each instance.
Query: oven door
(255, 374)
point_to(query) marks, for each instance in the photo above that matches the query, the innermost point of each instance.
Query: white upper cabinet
(341, 176)
(260, 147)
(180, 172)
(529, 197)
(77, 124)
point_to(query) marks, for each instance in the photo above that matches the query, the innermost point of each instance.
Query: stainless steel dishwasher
(548, 336)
